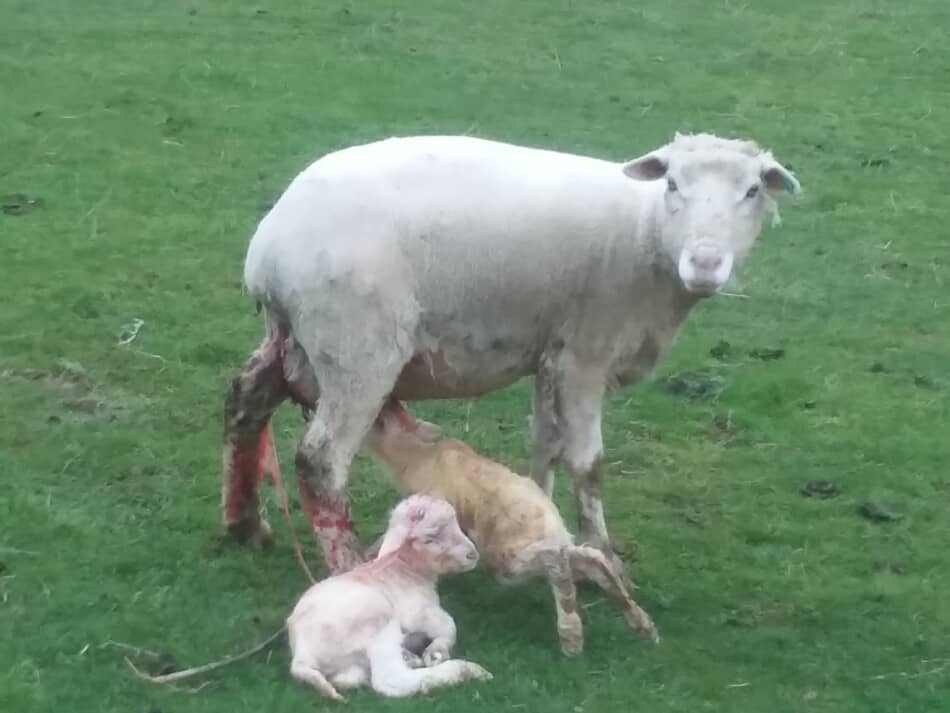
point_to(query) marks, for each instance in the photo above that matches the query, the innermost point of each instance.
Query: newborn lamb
(348, 630)
(516, 527)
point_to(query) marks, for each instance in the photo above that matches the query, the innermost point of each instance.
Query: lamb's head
(425, 531)
(716, 195)
(397, 437)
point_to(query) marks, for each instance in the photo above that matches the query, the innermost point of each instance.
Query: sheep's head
(716, 195)
(426, 531)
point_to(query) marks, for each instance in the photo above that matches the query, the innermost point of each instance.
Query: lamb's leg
(391, 676)
(312, 677)
(438, 625)
(355, 676)
(250, 402)
(591, 564)
(546, 436)
(557, 569)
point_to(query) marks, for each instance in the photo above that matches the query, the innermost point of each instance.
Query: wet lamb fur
(516, 527)
(347, 631)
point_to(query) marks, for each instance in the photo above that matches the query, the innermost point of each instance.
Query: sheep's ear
(779, 178)
(648, 167)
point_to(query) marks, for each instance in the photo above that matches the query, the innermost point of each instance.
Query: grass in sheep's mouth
(154, 132)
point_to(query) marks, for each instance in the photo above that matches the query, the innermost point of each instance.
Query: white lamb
(516, 527)
(348, 630)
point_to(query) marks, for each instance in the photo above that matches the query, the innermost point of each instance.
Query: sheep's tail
(591, 563)
(187, 673)
(272, 466)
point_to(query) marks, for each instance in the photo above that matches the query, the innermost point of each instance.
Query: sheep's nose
(706, 259)
(472, 555)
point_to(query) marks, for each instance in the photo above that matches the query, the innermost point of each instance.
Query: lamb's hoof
(627, 551)
(572, 642)
(650, 633)
(253, 533)
(474, 672)
(412, 660)
(433, 657)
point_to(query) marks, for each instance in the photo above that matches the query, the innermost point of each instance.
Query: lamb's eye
(752, 192)
(671, 185)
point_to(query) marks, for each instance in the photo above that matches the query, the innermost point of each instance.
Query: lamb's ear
(395, 537)
(428, 432)
(648, 167)
(777, 177)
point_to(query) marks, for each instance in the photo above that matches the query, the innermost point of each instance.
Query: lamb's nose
(472, 555)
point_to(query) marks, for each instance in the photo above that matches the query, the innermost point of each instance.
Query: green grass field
(155, 134)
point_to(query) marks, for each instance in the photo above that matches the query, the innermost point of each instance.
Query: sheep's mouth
(702, 288)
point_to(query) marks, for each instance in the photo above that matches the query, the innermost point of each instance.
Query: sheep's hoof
(572, 648)
(253, 533)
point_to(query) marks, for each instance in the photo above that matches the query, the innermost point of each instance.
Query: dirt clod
(721, 350)
(767, 353)
(891, 566)
(693, 385)
(819, 489)
(19, 203)
(878, 512)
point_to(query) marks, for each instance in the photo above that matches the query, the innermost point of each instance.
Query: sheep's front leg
(580, 397)
(251, 400)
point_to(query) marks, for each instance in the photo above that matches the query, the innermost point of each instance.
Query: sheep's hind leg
(546, 435)
(251, 400)
(350, 400)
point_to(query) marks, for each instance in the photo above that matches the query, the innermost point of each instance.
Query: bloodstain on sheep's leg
(251, 400)
(329, 515)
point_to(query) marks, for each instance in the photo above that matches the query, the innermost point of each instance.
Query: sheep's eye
(752, 192)
(671, 185)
